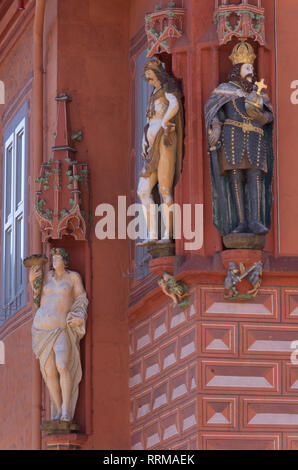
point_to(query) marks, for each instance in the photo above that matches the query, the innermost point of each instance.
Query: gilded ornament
(243, 53)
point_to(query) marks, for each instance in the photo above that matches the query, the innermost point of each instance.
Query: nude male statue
(58, 326)
(162, 148)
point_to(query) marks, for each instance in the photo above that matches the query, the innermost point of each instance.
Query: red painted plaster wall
(93, 68)
(15, 389)
(287, 144)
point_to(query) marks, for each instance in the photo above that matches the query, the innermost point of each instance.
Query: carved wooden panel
(269, 413)
(240, 441)
(264, 307)
(257, 377)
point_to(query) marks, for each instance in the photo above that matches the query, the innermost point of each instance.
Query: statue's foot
(241, 228)
(165, 240)
(57, 416)
(257, 228)
(65, 417)
(147, 242)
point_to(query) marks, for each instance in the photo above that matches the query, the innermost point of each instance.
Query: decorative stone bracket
(242, 21)
(163, 28)
(62, 200)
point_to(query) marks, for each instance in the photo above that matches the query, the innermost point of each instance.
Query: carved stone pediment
(244, 20)
(61, 204)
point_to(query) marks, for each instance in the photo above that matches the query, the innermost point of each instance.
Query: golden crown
(243, 53)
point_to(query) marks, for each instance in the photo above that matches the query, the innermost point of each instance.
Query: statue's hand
(168, 137)
(254, 98)
(252, 111)
(144, 150)
(75, 322)
(257, 114)
(214, 134)
(35, 272)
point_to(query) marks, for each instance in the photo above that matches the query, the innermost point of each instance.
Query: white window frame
(15, 299)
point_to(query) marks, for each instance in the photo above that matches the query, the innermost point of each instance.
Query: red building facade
(219, 374)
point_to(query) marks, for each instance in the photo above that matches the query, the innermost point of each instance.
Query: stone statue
(233, 277)
(178, 291)
(239, 121)
(236, 275)
(162, 148)
(255, 278)
(58, 326)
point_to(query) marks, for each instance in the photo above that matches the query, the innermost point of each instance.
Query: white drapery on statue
(43, 342)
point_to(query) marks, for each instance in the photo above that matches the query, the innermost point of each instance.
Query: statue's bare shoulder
(77, 282)
(75, 276)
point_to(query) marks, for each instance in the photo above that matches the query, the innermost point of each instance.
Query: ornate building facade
(220, 372)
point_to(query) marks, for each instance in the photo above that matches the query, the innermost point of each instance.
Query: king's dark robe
(239, 150)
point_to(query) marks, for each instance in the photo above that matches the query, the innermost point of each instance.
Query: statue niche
(239, 122)
(162, 151)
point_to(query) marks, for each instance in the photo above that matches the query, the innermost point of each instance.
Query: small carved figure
(239, 121)
(255, 278)
(178, 291)
(236, 275)
(232, 279)
(58, 327)
(162, 149)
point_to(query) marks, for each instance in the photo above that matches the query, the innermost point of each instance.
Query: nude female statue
(58, 326)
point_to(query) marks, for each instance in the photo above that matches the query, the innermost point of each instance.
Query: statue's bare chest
(59, 288)
(157, 107)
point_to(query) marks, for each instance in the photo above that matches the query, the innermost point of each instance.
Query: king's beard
(243, 82)
(246, 85)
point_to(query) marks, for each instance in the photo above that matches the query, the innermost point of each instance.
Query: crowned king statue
(239, 123)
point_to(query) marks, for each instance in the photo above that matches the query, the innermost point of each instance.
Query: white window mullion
(13, 217)
(19, 205)
(8, 218)
(13, 201)
(8, 176)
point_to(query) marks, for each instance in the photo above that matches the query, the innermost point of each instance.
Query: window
(13, 210)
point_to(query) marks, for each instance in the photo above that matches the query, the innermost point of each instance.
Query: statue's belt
(246, 126)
